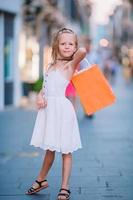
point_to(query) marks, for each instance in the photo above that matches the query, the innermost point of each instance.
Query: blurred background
(103, 168)
(26, 28)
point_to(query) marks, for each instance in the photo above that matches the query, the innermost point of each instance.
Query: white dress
(56, 126)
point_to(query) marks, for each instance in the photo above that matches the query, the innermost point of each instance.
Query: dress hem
(57, 150)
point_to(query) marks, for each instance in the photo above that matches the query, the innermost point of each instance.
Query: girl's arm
(41, 101)
(78, 56)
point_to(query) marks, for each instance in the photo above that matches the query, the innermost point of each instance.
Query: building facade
(10, 24)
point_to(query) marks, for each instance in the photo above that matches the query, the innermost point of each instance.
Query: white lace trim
(46, 147)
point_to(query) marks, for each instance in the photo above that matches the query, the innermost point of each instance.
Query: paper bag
(93, 89)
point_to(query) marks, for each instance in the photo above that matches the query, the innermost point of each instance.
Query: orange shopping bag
(93, 89)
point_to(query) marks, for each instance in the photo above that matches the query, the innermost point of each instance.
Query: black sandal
(66, 195)
(33, 190)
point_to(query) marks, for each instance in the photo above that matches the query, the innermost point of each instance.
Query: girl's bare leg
(47, 163)
(66, 170)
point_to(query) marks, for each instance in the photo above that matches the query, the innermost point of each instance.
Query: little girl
(56, 128)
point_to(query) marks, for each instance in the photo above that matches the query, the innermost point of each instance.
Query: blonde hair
(55, 43)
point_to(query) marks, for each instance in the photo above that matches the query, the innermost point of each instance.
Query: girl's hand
(41, 101)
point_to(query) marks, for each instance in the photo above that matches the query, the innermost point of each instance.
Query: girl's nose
(66, 45)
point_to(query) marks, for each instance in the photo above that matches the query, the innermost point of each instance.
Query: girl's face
(67, 45)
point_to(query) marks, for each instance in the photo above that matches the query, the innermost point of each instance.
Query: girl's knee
(50, 152)
(69, 155)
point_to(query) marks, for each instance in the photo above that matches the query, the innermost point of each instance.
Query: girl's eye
(63, 43)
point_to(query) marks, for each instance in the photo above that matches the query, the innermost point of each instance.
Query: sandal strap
(40, 182)
(31, 189)
(65, 190)
(63, 194)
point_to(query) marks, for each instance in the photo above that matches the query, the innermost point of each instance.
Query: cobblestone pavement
(102, 169)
